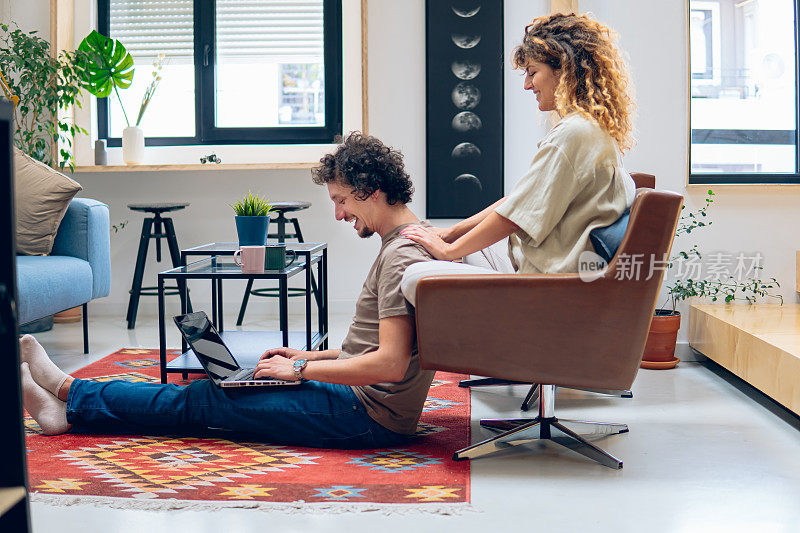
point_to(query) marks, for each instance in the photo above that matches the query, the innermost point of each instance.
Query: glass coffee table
(228, 248)
(248, 346)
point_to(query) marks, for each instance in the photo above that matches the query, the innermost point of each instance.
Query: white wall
(747, 219)
(29, 14)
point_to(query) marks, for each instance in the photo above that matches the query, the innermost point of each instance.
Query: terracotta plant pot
(659, 352)
(70, 315)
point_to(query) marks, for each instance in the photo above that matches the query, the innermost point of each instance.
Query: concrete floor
(705, 453)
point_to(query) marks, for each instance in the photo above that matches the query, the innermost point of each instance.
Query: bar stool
(155, 227)
(281, 208)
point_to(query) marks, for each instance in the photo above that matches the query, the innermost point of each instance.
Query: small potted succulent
(252, 220)
(659, 352)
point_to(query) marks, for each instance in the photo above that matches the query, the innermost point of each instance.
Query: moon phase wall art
(464, 63)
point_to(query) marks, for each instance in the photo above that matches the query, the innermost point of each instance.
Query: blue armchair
(77, 271)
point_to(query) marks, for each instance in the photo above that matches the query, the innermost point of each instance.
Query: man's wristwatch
(299, 365)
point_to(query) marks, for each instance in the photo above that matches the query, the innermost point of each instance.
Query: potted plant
(252, 220)
(659, 352)
(40, 85)
(109, 67)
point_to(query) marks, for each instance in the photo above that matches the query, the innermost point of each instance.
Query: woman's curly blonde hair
(594, 78)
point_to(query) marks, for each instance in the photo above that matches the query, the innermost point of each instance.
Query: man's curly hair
(594, 78)
(367, 165)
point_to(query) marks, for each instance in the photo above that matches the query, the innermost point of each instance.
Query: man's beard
(365, 233)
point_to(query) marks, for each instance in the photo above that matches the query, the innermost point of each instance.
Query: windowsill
(727, 179)
(193, 167)
(740, 185)
(234, 157)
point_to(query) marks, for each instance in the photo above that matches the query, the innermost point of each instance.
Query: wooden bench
(759, 343)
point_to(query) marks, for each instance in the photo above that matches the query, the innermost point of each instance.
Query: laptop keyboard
(247, 376)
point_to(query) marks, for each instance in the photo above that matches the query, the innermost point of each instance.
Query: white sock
(46, 409)
(44, 371)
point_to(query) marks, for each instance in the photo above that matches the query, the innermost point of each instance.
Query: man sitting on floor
(369, 394)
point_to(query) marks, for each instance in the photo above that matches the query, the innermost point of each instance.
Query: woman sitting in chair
(576, 181)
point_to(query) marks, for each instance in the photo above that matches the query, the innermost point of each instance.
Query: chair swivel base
(485, 382)
(567, 433)
(533, 394)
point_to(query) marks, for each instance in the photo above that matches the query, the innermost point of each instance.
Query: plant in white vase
(109, 67)
(134, 134)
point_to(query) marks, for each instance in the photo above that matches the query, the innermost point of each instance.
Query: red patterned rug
(159, 472)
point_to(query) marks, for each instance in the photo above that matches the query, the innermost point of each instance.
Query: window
(236, 71)
(743, 108)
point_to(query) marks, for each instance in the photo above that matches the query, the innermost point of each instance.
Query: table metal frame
(309, 254)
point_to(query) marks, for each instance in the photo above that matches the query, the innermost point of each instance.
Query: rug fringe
(296, 507)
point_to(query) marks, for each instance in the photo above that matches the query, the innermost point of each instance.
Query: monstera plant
(108, 67)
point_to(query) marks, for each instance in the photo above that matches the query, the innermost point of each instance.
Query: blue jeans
(315, 414)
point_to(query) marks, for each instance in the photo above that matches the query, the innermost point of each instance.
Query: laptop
(216, 357)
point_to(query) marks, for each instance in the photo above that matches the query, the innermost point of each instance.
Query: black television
(15, 512)
(7, 244)
(8, 264)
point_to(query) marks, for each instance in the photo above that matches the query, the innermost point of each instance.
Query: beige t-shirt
(576, 183)
(396, 406)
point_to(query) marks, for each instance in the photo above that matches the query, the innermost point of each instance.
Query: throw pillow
(41, 197)
(606, 240)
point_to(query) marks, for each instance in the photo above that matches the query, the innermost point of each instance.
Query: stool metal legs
(245, 299)
(281, 221)
(297, 232)
(157, 228)
(314, 289)
(138, 272)
(175, 255)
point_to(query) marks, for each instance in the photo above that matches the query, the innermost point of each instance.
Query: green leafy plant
(727, 288)
(108, 66)
(119, 226)
(45, 85)
(252, 206)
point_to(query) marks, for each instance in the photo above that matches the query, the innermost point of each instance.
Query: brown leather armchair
(552, 329)
(642, 181)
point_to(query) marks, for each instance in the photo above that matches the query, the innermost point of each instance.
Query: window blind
(150, 27)
(270, 30)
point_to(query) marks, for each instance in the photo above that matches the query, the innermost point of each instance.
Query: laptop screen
(203, 338)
